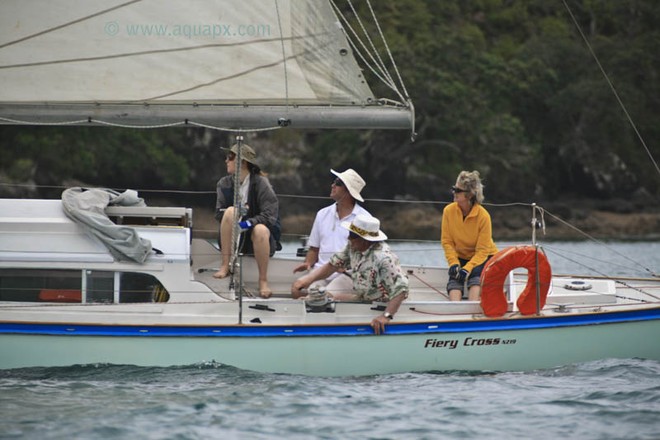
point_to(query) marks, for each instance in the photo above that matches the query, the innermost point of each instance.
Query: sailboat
(71, 294)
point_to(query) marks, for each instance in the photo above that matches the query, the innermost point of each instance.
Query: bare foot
(222, 273)
(264, 290)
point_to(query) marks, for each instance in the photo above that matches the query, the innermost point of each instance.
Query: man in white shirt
(328, 236)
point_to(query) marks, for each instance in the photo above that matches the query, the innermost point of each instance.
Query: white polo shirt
(327, 233)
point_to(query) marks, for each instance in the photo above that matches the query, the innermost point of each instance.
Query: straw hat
(247, 153)
(366, 227)
(354, 183)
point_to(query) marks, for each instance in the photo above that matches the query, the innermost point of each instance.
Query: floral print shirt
(376, 273)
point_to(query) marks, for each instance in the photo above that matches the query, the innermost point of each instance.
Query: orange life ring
(493, 299)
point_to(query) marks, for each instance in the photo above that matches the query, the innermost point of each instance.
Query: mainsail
(231, 64)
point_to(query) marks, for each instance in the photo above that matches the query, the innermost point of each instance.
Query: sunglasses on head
(338, 182)
(457, 190)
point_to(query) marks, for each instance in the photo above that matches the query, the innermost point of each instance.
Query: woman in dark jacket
(259, 220)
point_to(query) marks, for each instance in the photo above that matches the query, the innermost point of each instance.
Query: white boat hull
(524, 344)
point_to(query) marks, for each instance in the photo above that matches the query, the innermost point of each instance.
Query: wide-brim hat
(366, 227)
(247, 153)
(354, 183)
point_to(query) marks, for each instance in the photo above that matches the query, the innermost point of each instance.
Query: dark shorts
(473, 279)
(247, 248)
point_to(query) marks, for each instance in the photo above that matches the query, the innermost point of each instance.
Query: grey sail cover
(87, 208)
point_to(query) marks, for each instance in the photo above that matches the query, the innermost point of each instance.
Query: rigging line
(411, 106)
(286, 77)
(20, 40)
(623, 107)
(16, 121)
(114, 124)
(623, 283)
(599, 242)
(389, 52)
(504, 205)
(146, 52)
(423, 202)
(356, 36)
(371, 43)
(390, 102)
(235, 130)
(389, 84)
(410, 273)
(546, 246)
(291, 196)
(383, 75)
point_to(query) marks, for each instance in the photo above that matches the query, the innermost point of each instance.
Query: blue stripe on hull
(253, 330)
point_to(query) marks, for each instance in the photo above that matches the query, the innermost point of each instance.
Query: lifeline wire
(623, 107)
(429, 202)
(594, 239)
(623, 283)
(114, 124)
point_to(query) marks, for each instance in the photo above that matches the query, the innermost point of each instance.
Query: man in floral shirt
(375, 272)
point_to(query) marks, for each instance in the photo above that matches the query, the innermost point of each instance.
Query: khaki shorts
(341, 284)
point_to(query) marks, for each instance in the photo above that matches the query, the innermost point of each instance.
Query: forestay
(234, 64)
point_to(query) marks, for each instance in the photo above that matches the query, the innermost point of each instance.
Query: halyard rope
(609, 82)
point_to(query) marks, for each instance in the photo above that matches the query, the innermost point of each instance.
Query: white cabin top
(39, 230)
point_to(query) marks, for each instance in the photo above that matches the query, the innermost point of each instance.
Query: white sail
(247, 63)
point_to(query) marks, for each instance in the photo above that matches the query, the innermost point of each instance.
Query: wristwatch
(388, 315)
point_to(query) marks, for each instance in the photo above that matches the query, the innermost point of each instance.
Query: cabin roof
(39, 230)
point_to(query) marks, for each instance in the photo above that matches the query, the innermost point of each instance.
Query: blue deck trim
(258, 330)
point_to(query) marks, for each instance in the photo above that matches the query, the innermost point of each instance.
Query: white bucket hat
(354, 183)
(366, 227)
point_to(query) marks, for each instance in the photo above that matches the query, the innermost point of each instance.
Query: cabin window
(32, 285)
(141, 287)
(53, 285)
(100, 286)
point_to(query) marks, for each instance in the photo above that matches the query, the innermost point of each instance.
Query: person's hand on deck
(302, 267)
(378, 324)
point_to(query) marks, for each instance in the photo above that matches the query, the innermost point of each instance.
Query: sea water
(609, 399)
(606, 399)
(600, 258)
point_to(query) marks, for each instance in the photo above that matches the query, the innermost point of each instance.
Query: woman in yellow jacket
(467, 237)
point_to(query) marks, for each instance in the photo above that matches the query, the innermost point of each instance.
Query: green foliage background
(506, 87)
